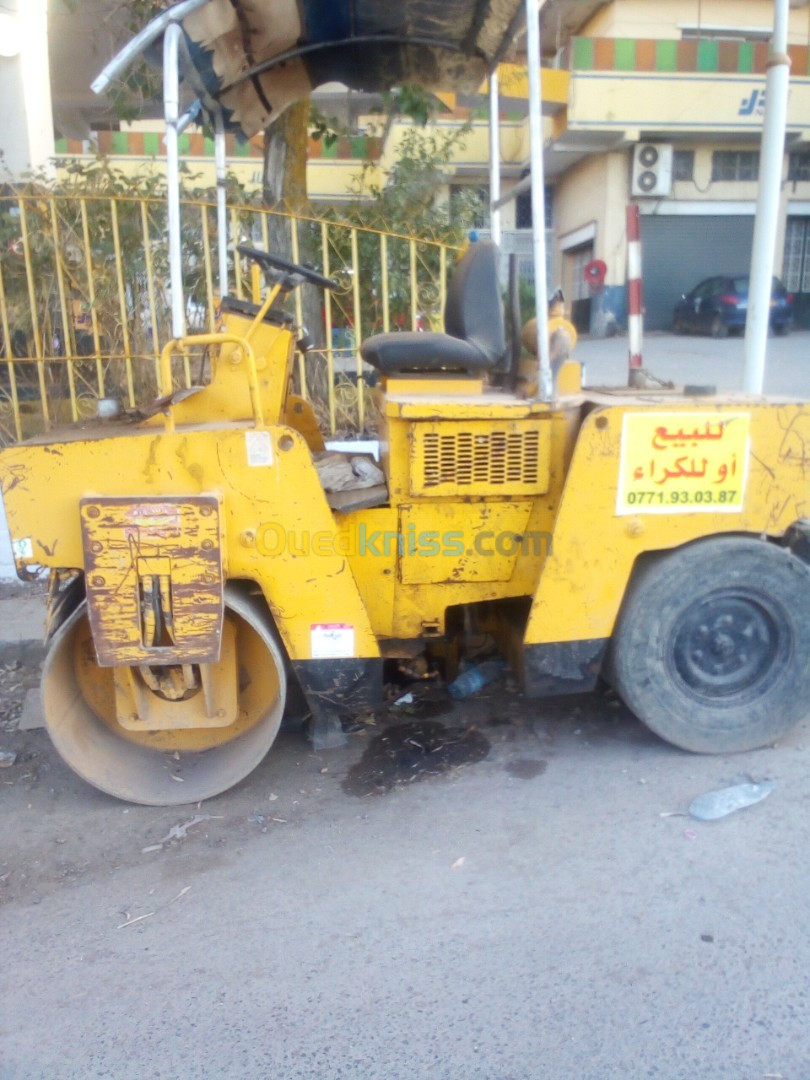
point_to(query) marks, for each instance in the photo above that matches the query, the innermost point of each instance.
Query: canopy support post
(771, 160)
(171, 107)
(545, 388)
(222, 203)
(494, 158)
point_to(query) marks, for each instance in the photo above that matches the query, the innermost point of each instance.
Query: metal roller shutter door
(678, 252)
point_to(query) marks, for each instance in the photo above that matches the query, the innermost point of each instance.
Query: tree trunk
(285, 159)
(285, 189)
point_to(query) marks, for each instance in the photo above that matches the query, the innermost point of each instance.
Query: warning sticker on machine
(683, 462)
(332, 641)
(259, 447)
(23, 549)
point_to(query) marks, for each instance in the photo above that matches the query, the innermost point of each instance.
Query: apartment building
(665, 108)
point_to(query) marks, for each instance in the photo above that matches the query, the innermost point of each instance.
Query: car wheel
(712, 647)
(718, 328)
(781, 329)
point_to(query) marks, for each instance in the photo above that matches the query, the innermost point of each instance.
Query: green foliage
(410, 100)
(408, 200)
(321, 127)
(527, 300)
(406, 205)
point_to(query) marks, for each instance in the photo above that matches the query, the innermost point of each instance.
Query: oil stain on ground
(526, 768)
(408, 752)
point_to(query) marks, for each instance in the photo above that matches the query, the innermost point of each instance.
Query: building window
(799, 165)
(523, 206)
(683, 165)
(549, 204)
(796, 267)
(735, 165)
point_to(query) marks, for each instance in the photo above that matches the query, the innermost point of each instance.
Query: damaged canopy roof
(255, 57)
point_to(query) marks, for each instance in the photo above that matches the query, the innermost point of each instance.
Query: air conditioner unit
(652, 169)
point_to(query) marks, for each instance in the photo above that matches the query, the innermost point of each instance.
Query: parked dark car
(719, 305)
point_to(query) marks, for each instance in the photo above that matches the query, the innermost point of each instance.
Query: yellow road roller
(200, 566)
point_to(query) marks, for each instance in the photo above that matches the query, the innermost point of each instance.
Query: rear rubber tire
(712, 646)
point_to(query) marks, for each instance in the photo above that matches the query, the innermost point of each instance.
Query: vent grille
(508, 459)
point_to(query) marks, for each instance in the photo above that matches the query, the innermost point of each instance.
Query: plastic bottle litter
(475, 679)
(717, 804)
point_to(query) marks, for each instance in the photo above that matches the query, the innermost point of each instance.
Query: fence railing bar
(384, 283)
(330, 358)
(7, 346)
(150, 292)
(122, 303)
(442, 282)
(358, 330)
(237, 262)
(209, 270)
(29, 274)
(66, 324)
(299, 306)
(414, 286)
(91, 293)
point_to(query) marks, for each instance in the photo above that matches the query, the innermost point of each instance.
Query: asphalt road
(546, 912)
(537, 914)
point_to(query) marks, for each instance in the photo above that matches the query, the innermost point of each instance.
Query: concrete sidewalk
(22, 614)
(22, 650)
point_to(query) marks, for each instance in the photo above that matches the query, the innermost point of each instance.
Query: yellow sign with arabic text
(683, 463)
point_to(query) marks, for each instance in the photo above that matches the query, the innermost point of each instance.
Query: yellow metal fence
(85, 302)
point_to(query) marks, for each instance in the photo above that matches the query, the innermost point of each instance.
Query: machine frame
(198, 564)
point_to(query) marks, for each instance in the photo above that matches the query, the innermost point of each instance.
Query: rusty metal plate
(154, 579)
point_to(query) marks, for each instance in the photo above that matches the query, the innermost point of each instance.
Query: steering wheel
(274, 262)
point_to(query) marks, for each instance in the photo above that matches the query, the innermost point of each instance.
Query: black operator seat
(473, 317)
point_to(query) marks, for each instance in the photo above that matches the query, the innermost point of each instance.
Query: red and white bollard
(635, 316)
